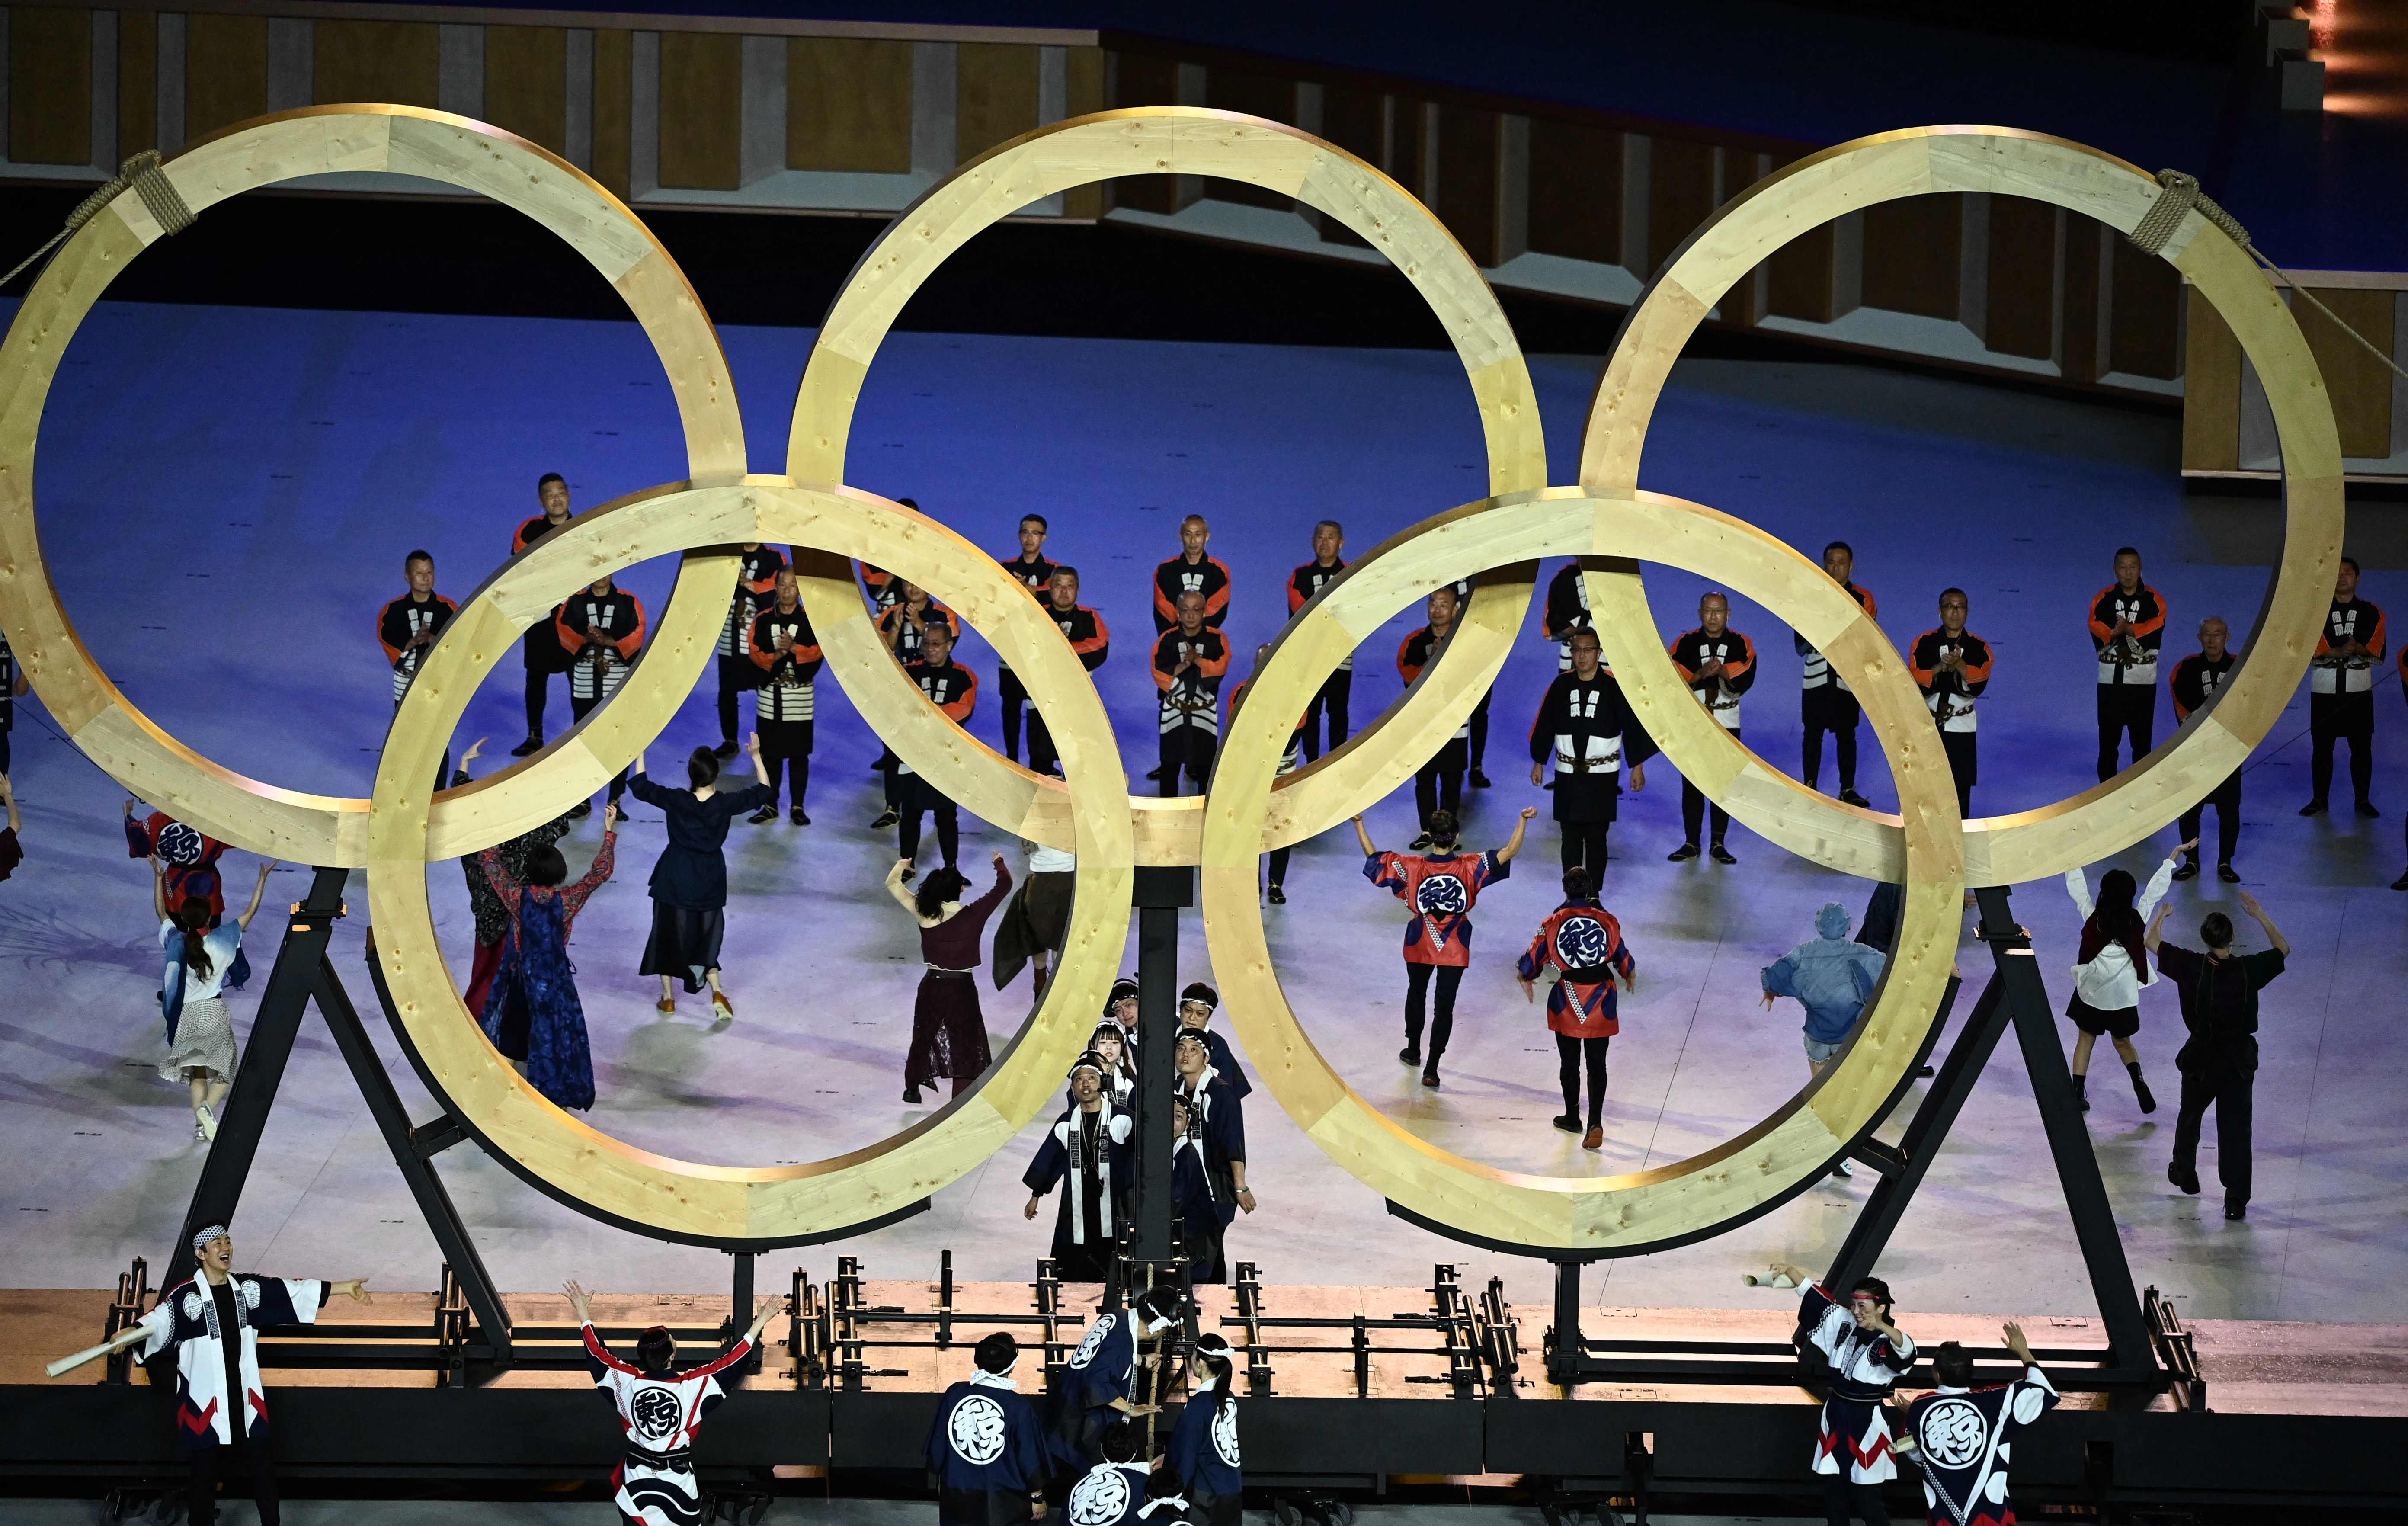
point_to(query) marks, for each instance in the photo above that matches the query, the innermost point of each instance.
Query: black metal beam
(290, 982)
(1160, 892)
(393, 1121)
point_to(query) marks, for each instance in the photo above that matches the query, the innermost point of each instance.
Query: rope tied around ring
(143, 175)
(2182, 195)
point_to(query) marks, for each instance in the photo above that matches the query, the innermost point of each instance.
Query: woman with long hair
(689, 884)
(1110, 1043)
(948, 1030)
(1204, 1455)
(199, 958)
(2112, 967)
(532, 1011)
(493, 918)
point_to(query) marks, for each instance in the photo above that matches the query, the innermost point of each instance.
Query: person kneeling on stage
(1089, 1144)
(986, 1450)
(1199, 1196)
(661, 1410)
(1959, 1437)
(1865, 1355)
(1114, 1491)
(1099, 1387)
(213, 1319)
(1203, 1454)
(1582, 943)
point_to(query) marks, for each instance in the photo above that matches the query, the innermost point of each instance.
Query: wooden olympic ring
(1640, 1211)
(1191, 142)
(741, 1207)
(2216, 739)
(290, 824)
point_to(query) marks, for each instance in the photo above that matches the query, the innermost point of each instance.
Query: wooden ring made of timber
(2216, 739)
(742, 1207)
(132, 749)
(1147, 140)
(1576, 1217)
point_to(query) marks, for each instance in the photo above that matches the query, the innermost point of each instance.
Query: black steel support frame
(1159, 894)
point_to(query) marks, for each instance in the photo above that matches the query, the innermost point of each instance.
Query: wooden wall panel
(225, 71)
(526, 83)
(2078, 351)
(1085, 71)
(1913, 248)
(2144, 315)
(1471, 159)
(702, 110)
(995, 94)
(2211, 390)
(1257, 95)
(2022, 298)
(849, 104)
(2359, 385)
(1680, 195)
(1799, 277)
(1143, 80)
(1575, 190)
(138, 81)
(399, 62)
(50, 85)
(1409, 146)
(614, 78)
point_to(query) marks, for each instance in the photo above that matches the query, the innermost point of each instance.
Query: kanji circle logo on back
(976, 1430)
(1580, 943)
(1099, 1497)
(1095, 1341)
(657, 1413)
(1441, 895)
(1952, 1432)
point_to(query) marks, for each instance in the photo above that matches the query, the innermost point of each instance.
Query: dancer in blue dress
(531, 1013)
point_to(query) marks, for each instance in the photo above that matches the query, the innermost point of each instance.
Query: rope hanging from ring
(142, 174)
(2182, 195)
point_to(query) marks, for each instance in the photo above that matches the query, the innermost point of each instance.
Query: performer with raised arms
(948, 1030)
(1441, 888)
(1865, 1355)
(661, 1410)
(1087, 1151)
(200, 960)
(1582, 942)
(986, 1448)
(1959, 1437)
(689, 882)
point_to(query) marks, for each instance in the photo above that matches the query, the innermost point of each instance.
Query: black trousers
(2338, 717)
(1839, 1497)
(1279, 865)
(2230, 1093)
(1964, 762)
(2122, 708)
(1438, 784)
(1187, 748)
(982, 1506)
(1480, 731)
(580, 709)
(539, 690)
(1330, 701)
(787, 745)
(1417, 984)
(736, 675)
(1041, 756)
(1584, 846)
(916, 796)
(1571, 1053)
(1015, 698)
(2227, 801)
(890, 774)
(210, 1462)
(1693, 810)
(1828, 707)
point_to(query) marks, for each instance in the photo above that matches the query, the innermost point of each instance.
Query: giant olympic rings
(1248, 809)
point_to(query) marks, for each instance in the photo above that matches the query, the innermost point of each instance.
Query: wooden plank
(995, 94)
(849, 104)
(1146, 79)
(614, 76)
(1085, 71)
(225, 71)
(138, 81)
(526, 83)
(1799, 285)
(396, 62)
(1257, 95)
(1680, 195)
(2077, 353)
(1913, 248)
(1471, 164)
(2144, 315)
(1575, 190)
(702, 112)
(50, 85)
(2211, 390)
(1356, 119)
(2022, 298)
(2358, 382)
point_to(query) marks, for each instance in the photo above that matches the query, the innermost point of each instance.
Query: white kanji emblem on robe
(976, 1430)
(1099, 1497)
(1953, 1434)
(1580, 943)
(1225, 1433)
(1441, 895)
(657, 1413)
(1095, 1341)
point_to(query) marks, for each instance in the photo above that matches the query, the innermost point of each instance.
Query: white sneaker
(204, 1123)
